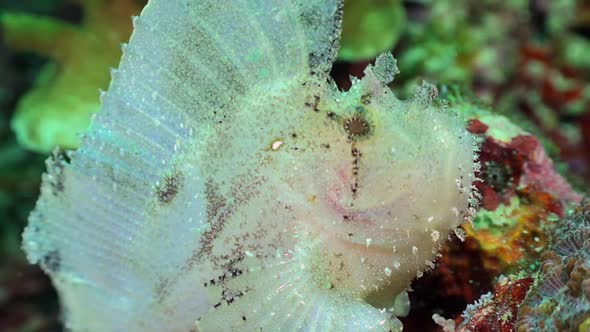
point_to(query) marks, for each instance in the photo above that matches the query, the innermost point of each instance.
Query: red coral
(521, 163)
(546, 84)
(539, 172)
(502, 166)
(477, 127)
(499, 313)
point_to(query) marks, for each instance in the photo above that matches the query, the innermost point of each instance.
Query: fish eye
(358, 125)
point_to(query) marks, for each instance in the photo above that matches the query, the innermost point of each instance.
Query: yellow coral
(585, 326)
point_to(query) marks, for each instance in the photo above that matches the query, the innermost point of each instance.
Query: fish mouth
(354, 219)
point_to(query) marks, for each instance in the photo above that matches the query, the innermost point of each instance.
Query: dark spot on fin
(57, 172)
(51, 262)
(313, 105)
(217, 214)
(162, 289)
(320, 57)
(366, 98)
(169, 188)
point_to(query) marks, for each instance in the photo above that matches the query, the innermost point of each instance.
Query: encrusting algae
(227, 184)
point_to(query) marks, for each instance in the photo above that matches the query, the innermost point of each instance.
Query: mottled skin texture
(350, 190)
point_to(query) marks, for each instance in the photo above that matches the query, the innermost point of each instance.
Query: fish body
(227, 184)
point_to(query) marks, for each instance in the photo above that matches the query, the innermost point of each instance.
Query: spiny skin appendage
(227, 181)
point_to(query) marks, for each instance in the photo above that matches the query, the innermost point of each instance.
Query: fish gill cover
(227, 184)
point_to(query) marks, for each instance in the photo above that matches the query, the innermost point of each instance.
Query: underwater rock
(227, 184)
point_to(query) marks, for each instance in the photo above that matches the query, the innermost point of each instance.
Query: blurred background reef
(528, 60)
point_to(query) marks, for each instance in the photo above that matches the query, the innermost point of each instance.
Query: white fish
(227, 184)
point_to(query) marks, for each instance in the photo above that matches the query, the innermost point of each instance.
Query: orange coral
(518, 242)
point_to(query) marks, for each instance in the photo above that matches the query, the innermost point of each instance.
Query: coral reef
(521, 191)
(513, 237)
(559, 300)
(451, 47)
(553, 96)
(496, 311)
(522, 197)
(458, 279)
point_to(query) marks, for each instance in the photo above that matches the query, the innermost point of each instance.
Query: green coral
(65, 94)
(451, 46)
(496, 221)
(370, 27)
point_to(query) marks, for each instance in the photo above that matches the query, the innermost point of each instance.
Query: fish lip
(332, 204)
(380, 237)
(350, 216)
